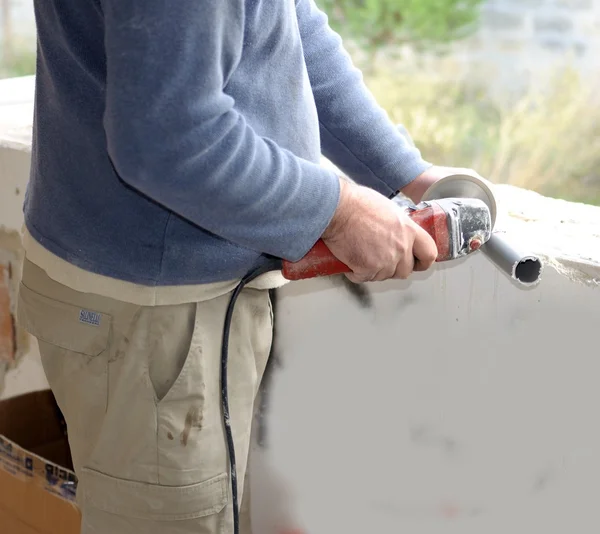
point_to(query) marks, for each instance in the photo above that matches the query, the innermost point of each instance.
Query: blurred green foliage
(548, 141)
(422, 23)
(21, 62)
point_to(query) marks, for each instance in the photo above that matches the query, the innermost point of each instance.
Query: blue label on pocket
(90, 317)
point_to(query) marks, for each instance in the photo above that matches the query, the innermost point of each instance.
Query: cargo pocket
(67, 326)
(73, 344)
(139, 500)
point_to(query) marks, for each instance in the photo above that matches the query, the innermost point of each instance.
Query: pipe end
(528, 270)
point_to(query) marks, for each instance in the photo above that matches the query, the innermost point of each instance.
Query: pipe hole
(528, 270)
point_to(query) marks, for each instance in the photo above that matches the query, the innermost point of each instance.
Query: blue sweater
(179, 142)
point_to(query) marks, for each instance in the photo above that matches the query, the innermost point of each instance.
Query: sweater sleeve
(174, 135)
(356, 133)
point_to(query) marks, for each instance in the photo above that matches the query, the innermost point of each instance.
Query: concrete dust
(566, 235)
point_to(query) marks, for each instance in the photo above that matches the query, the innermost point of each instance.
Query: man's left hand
(416, 189)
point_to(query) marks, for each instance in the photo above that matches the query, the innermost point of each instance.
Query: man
(176, 147)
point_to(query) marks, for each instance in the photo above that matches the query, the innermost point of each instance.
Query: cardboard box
(37, 483)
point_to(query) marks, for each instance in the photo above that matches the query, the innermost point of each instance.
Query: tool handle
(319, 261)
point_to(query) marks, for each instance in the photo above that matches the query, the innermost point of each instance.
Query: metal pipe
(523, 267)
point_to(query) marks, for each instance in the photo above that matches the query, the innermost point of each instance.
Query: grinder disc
(464, 186)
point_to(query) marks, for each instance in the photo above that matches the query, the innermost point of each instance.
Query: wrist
(416, 189)
(342, 212)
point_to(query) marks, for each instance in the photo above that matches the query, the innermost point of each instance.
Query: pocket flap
(61, 324)
(150, 501)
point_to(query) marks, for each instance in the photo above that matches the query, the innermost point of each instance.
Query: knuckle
(363, 275)
(354, 278)
(402, 273)
(402, 248)
(385, 274)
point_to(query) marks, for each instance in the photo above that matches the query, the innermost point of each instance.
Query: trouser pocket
(117, 506)
(74, 345)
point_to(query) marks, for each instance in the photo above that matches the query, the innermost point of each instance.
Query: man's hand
(416, 189)
(375, 238)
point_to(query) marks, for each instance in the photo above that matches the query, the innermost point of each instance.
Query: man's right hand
(375, 238)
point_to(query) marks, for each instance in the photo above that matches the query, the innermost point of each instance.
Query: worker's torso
(76, 206)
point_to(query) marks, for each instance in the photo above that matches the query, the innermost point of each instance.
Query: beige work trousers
(139, 388)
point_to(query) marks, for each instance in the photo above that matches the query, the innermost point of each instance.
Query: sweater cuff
(403, 172)
(318, 215)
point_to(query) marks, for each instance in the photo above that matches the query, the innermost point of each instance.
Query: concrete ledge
(16, 112)
(565, 234)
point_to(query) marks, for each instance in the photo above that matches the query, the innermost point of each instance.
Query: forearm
(174, 135)
(356, 133)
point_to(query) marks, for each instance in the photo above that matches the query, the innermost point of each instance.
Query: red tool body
(458, 226)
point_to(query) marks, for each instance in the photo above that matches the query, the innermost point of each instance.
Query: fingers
(401, 271)
(424, 250)
(357, 279)
(419, 266)
(380, 276)
(385, 273)
(405, 267)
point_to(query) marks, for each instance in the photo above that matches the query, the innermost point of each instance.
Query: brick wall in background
(521, 43)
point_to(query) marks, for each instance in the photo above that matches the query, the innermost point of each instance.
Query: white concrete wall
(457, 403)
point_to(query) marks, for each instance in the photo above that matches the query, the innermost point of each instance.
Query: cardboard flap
(34, 421)
(37, 484)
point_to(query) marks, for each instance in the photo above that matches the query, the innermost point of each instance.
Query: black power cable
(273, 265)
